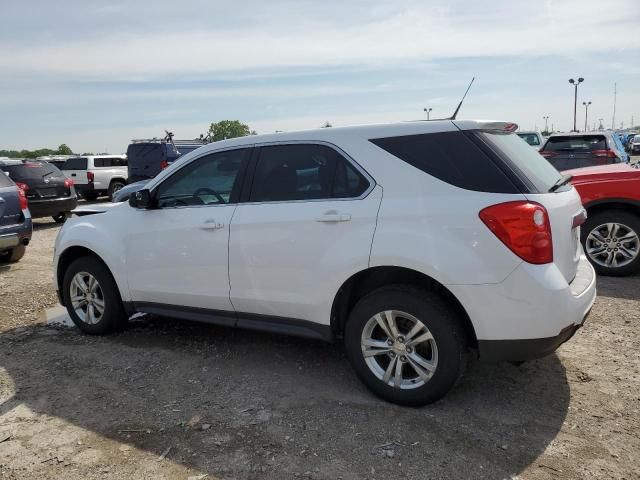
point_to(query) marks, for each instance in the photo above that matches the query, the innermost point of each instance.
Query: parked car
(96, 175)
(125, 192)
(15, 220)
(149, 157)
(574, 150)
(49, 192)
(533, 138)
(621, 151)
(473, 248)
(611, 234)
(634, 145)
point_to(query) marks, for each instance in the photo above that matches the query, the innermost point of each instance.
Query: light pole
(601, 127)
(428, 110)
(546, 124)
(575, 98)
(586, 113)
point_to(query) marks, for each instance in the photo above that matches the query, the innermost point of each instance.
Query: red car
(611, 234)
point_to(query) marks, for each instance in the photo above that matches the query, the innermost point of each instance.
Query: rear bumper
(531, 313)
(15, 235)
(48, 208)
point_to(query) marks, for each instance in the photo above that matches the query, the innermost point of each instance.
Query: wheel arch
(363, 282)
(625, 204)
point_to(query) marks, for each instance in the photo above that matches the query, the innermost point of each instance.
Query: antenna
(453, 117)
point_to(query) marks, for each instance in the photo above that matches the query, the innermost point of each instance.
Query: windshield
(531, 138)
(530, 163)
(576, 143)
(31, 170)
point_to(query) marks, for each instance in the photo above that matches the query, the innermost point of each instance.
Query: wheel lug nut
(389, 342)
(403, 358)
(409, 349)
(393, 355)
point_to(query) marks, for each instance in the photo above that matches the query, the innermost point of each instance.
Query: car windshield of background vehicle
(32, 170)
(533, 165)
(75, 163)
(531, 138)
(577, 143)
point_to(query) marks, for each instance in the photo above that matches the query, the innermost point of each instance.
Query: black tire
(13, 255)
(628, 219)
(114, 316)
(91, 196)
(60, 217)
(114, 187)
(436, 315)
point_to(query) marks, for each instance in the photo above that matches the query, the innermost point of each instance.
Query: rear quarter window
(5, 181)
(452, 158)
(76, 163)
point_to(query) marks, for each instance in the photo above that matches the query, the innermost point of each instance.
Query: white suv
(95, 175)
(413, 243)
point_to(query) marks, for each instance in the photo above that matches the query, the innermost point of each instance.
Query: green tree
(226, 129)
(64, 150)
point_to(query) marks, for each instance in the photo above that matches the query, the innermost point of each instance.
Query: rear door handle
(211, 224)
(334, 217)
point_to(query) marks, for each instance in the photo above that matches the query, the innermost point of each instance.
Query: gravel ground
(176, 400)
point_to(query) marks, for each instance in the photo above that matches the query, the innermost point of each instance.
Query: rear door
(307, 226)
(76, 169)
(562, 205)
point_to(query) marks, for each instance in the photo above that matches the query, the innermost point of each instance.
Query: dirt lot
(174, 400)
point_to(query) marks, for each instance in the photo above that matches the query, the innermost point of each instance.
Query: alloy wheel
(399, 349)
(87, 298)
(612, 245)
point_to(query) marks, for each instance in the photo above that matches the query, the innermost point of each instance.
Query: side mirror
(141, 199)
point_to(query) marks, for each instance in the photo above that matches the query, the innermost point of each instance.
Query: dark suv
(147, 158)
(15, 221)
(576, 150)
(49, 192)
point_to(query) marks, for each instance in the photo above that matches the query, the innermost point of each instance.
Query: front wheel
(405, 344)
(114, 187)
(611, 240)
(60, 217)
(92, 298)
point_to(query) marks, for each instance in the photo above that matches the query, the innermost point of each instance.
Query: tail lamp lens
(68, 183)
(23, 186)
(23, 199)
(523, 227)
(90, 176)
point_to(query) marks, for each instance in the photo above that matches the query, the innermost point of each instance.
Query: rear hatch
(10, 212)
(145, 160)
(538, 178)
(76, 169)
(566, 152)
(43, 180)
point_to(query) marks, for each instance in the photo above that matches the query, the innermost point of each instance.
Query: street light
(546, 124)
(586, 113)
(428, 110)
(575, 98)
(601, 127)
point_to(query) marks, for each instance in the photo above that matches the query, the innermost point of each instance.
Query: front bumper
(48, 208)
(531, 313)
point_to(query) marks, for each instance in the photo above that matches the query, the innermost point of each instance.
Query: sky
(95, 74)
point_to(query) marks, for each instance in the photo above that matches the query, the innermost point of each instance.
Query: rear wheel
(60, 217)
(611, 240)
(405, 344)
(13, 255)
(92, 298)
(114, 187)
(91, 196)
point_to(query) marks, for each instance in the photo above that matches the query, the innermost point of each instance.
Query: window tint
(531, 138)
(75, 163)
(207, 181)
(304, 172)
(31, 170)
(110, 162)
(526, 160)
(452, 158)
(576, 143)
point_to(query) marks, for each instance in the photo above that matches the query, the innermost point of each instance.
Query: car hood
(602, 173)
(92, 209)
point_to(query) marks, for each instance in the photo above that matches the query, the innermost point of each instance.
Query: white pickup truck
(95, 175)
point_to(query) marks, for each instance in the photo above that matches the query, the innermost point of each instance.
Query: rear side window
(75, 163)
(304, 172)
(531, 138)
(110, 162)
(452, 158)
(576, 143)
(528, 162)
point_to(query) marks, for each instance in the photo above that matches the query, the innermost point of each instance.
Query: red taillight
(523, 227)
(90, 176)
(604, 153)
(163, 164)
(23, 186)
(23, 199)
(68, 183)
(547, 154)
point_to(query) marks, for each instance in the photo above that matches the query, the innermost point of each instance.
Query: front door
(177, 253)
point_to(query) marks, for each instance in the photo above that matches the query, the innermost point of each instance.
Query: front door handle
(334, 217)
(211, 224)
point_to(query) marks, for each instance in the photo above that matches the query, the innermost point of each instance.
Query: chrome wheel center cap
(399, 348)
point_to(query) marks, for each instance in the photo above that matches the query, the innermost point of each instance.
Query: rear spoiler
(489, 125)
